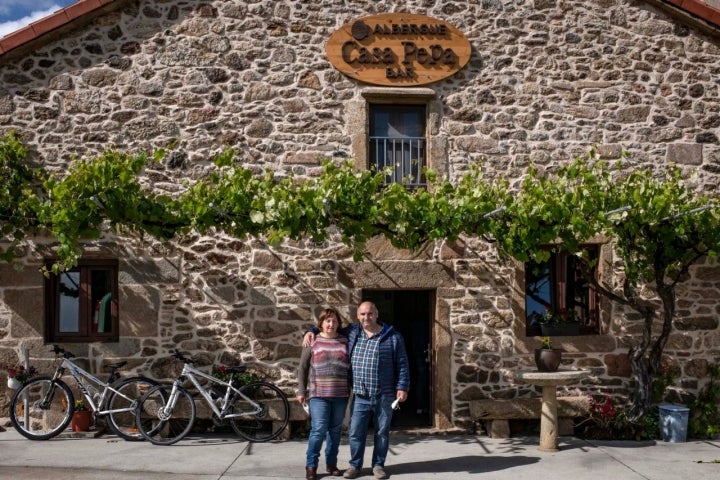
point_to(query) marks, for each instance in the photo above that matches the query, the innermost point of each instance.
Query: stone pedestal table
(548, 414)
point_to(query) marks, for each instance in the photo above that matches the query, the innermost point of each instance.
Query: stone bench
(497, 413)
(296, 414)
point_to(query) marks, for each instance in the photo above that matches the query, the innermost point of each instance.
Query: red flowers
(562, 315)
(603, 412)
(221, 373)
(20, 373)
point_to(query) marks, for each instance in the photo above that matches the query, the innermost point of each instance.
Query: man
(380, 375)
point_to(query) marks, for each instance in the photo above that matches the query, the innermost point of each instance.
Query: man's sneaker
(351, 472)
(379, 472)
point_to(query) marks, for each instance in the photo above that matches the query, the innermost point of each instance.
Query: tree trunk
(642, 369)
(647, 368)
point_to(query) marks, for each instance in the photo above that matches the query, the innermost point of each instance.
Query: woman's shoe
(311, 473)
(334, 471)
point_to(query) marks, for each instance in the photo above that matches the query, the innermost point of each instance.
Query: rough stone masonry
(547, 80)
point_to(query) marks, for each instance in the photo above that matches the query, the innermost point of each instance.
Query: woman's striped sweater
(325, 368)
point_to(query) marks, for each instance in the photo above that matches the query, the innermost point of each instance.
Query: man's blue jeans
(363, 409)
(327, 416)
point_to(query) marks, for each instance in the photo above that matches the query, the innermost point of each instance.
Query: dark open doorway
(409, 311)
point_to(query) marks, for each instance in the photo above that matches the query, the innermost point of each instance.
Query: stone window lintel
(392, 94)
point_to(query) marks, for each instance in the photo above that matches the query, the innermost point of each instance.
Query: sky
(15, 14)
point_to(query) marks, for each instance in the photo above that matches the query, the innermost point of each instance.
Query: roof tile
(698, 8)
(49, 23)
(80, 8)
(17, 38)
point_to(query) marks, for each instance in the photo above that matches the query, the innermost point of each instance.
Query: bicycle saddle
(115, 366)
(239, 369)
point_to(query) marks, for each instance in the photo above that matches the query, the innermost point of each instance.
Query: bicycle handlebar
(57, 350)
(181, 356)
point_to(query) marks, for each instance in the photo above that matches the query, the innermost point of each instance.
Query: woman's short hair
(326, 312)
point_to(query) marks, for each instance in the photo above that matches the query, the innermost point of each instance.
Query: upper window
(81, 304)
(397, 143)
(559, 288)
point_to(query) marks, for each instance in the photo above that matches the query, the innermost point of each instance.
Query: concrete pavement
(457, 457)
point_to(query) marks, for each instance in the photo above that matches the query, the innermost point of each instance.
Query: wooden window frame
(559, 297)
(86, 309)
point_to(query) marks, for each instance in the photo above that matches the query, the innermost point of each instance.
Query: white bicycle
(43, 406)
(257, 411)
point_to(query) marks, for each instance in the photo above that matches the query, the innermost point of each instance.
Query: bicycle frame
(87, 382)
(192, 374)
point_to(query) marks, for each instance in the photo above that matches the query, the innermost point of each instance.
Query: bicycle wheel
(121, 410)
(272, 418)
(41, 408)
(163, 420)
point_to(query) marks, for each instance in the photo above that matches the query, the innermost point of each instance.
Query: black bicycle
(43, 406)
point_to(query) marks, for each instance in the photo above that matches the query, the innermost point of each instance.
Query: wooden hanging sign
(398, 49)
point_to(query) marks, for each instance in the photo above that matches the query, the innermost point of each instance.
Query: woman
(324, 378)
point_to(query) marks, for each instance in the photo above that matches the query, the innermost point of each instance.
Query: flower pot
(548, 359)
(13, 383)
(81, 420)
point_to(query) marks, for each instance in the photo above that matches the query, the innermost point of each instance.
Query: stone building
(544, 81)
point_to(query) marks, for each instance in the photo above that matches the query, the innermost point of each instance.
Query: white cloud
(13, 25)
(15, 8)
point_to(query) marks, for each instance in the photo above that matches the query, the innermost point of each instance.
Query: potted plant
(547, 358)
(18, 374)
(82, 417)
(560, 322)
(222, 372)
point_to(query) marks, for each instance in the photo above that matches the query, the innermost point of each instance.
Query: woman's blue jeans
(326, 416)
(363, 409)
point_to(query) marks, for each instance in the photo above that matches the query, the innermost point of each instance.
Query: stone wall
(546, 81)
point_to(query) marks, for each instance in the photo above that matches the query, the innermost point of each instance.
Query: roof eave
(694, 12)
(54, 26)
